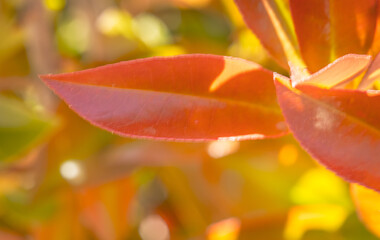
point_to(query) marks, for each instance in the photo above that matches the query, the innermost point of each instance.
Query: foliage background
(61, 178)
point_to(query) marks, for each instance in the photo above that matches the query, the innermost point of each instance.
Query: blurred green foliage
(20, 127)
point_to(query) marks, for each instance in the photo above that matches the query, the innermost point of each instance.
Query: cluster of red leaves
(205, 97)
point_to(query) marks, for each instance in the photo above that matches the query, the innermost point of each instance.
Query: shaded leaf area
(347, 122)
(375, 45)
(189, 97)
(20, 128)
(372, 75)
(319, 31)
(275, 30)
(327, 29)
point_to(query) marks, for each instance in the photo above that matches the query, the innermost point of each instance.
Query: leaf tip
(45, 77)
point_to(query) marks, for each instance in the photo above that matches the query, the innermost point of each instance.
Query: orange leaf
(189, 97)
(327, 217)
(227, 229)
(340, 128)
(342, 26)
(313, 31)
(375, 48)
(367, 204)
(353, 24)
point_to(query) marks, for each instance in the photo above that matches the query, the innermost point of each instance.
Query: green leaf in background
(320, 186)
(20, 128)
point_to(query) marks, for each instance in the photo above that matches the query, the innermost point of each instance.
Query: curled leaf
(341, 71)
(372, 75)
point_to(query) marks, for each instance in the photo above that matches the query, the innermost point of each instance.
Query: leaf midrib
(263, 107)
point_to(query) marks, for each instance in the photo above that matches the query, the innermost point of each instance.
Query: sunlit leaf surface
(190, 97)
(339, 72)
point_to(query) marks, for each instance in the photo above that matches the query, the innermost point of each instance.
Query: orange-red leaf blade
(189, 97)
(375, 48)
(354, 24)
(340, 128)
(312, 24)
(269, 24)
(329, 29)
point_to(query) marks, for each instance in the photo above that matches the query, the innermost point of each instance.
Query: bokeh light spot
(113, 22)
(227, 229)
(288, 155)
(74, 35)
(218, 149)
(314, 217)
(154, 227)
(151, 30)
(54, 5)
(319, 185)
(72, 171)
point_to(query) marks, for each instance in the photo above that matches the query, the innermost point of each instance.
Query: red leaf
(189, 97)
(268, 23)
(340, 128)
